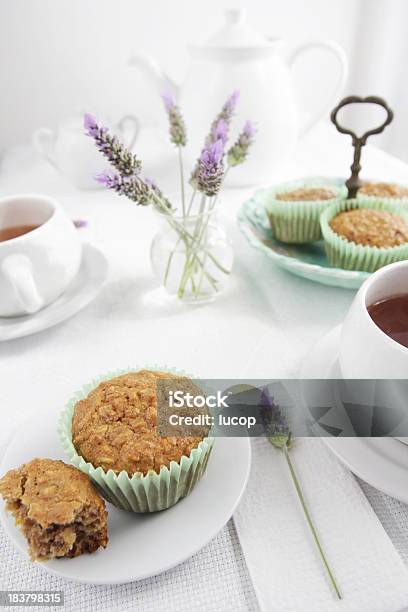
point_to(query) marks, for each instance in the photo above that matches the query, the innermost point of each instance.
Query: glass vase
(192, 257)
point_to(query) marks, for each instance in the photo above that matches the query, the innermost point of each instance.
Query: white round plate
(83, 289)
(382, 462)
(140, 545)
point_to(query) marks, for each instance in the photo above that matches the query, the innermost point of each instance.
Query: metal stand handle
(353, 183)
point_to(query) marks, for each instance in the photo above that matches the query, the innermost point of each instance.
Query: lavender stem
(310, 522)
(184, 234)
(190, 206)
(183, 200)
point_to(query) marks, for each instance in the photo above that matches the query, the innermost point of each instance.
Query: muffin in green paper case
(294, 208)
(365, 236)
(391, 192)
(109, 431)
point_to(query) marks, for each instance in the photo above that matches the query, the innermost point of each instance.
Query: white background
(58, 57)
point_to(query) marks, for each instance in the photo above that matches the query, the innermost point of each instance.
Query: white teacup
(365, 350)
(35, 267)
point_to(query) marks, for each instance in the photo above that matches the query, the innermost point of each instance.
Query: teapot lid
(235, 40)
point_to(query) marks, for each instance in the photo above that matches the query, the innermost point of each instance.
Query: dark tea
(7, 233)
(391, 316)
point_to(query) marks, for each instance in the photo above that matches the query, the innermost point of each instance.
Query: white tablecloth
(261, 327)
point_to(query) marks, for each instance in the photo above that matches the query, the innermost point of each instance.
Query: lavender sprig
(280, 436)
(125, 162)
(274, 422)
(131, 187)
(210, 169)
(238, 153)
(224, 115)
(142, 191)
(218, 132)
(178, 135)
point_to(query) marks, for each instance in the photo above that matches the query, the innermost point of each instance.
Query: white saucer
(382, 462)
(83, 289)
(140, 545)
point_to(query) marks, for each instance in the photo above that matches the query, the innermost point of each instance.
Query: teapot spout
(153, 71)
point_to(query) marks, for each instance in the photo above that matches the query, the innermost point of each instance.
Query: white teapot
(74, 154)
(238, 58)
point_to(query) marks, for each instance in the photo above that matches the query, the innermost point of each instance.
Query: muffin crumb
(57, 508)
(369, 227)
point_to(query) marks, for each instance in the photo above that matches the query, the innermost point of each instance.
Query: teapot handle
(44, 144)
(135, 124)
(339, 53)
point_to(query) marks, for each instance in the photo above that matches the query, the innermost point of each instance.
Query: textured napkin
(281, 556)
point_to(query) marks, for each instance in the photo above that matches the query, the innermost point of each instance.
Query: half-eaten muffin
(57, 509)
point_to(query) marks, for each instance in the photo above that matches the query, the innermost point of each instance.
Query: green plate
(305, 260)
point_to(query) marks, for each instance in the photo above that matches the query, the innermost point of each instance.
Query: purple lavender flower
(238, 153)
(168, 100)
(274, 421)
(141, 191)
(228, 109)
(178, 134)
(125, 162)
(131, 187)
(249, 129)
(210, 169)
(213, 154)
(105, 179)
(90, 125)
(224, 115)
(220, 131)
(80, 223)
(231, 103)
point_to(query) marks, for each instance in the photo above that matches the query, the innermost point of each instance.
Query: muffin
(365, 236)
(376, 228)
(306, 194)
(382, 190)
(114, 427)
(294, 209)
(57, 509)
(112, 434)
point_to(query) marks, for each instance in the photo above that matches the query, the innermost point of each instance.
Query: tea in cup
(40, 253)
(375, 332)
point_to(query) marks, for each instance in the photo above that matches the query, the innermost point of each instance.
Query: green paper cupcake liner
(299, 222)
(149, 492)
(342, 253)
